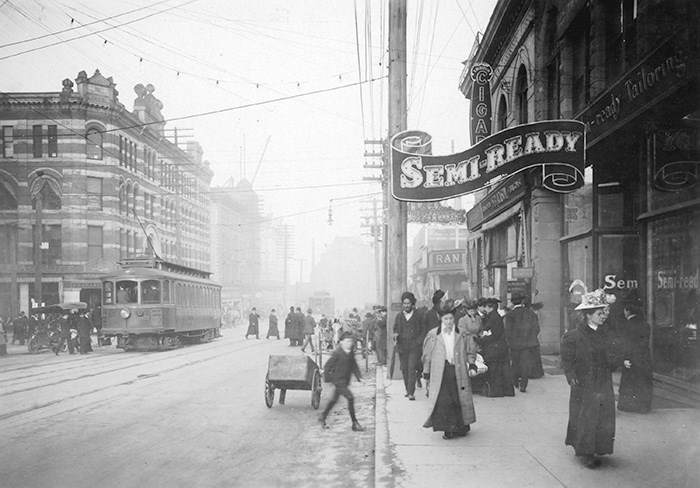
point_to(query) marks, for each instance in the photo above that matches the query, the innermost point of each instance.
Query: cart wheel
(316, 388)
(486, 389)
(269, 393)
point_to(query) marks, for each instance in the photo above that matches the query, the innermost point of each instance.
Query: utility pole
(14, 301)
(397, 212)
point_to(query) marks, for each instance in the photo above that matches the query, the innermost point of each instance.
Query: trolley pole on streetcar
(397, 211)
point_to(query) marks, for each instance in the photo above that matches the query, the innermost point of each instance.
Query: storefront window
(675, 308)
(674, 172)
(618, 256)
(578, 271)
(578, 207)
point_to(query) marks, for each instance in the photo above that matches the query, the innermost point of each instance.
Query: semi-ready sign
(558, 146)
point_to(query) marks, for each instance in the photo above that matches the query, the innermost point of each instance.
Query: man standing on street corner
(408, 334)
(380, 335)
(65, 324)
(253, 324)
(522, 328)
(338, 370)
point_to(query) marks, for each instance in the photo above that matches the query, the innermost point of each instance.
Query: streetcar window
(150, 291)
(126, 291)
(108, 292)
(166, 291)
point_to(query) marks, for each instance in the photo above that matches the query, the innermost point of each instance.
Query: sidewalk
(519, 442)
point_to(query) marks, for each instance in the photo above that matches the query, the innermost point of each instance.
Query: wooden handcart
(292, 373)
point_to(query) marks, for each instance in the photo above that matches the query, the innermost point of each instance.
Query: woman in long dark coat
(272, 330)
(589, 355)
(448, 356)
(494, 349)
(637, 378)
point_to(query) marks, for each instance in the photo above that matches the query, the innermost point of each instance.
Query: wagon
(292, 373)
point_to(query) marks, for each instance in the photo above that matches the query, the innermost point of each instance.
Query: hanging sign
(480, 112)
(676, 159)
(558, 146)
(435, 213)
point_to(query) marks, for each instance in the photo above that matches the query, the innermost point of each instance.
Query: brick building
(630, 70)
(80, 167)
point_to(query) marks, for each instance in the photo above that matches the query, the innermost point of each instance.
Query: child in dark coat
(338, 369)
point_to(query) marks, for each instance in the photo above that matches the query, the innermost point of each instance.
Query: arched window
(8, 201)
(49, 199)
(94, 144)
(128, 199)
(123, 204)
(502, 113)
(136, 194)
(521, 94)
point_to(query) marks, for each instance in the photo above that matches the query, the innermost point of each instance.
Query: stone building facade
(101, 182)
(630, 71)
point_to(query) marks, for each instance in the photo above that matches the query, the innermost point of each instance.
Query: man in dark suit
(408, 332)
(522, 327)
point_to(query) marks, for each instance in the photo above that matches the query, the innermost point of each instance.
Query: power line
(82, 25)
(96, 32)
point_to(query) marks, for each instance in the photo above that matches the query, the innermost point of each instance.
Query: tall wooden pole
(397, 212)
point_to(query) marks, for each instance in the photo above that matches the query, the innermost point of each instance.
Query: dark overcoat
(522, 327)
(589, 357)
(434, 355)
(636, 382)
(494, 347)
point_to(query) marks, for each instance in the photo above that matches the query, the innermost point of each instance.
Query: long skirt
(591, 428)
(252, 330)
(447, 414)
(500, 378)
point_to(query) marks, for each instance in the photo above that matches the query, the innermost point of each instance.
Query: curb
(383, 458)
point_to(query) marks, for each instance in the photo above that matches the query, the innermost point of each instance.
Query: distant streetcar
(151, 304)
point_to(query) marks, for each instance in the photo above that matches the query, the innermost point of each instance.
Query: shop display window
(675, 307)
(672, 183)
(618, 259)
(578, 269)
(578, 207)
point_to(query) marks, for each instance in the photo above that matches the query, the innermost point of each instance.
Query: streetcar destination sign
(558, 146)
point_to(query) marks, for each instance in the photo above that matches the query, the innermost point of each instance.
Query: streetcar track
(109, 371)
(80, 363)
(34, 408)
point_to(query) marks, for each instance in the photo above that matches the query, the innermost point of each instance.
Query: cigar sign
(557, 146)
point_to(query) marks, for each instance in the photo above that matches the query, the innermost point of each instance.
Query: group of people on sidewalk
(441, 345)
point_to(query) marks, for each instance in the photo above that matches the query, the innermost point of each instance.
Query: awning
(503, 217)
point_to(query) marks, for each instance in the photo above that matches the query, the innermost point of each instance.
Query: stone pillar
(546, 259)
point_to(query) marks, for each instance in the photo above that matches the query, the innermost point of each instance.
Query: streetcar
(151, 304)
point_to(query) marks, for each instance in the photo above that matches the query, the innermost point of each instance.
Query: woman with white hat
(589, 356)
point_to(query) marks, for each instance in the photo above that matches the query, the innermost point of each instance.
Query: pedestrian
(636, 382)
(449, 355)
(65, 324)
(272, 329)
(494, 349)
(289, 326)
(20, 326)
(522, 327)
(309, 327)
(84, 331)
(408, 335)
(338, 370)
(589, 355)
(253, 321)
(299, 326)
(380, 335)
(431, 320)
(481, 307)
(471, 322)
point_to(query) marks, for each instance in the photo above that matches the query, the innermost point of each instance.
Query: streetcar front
(138, 309)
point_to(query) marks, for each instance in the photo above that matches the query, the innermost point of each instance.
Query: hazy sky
(234, 53)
